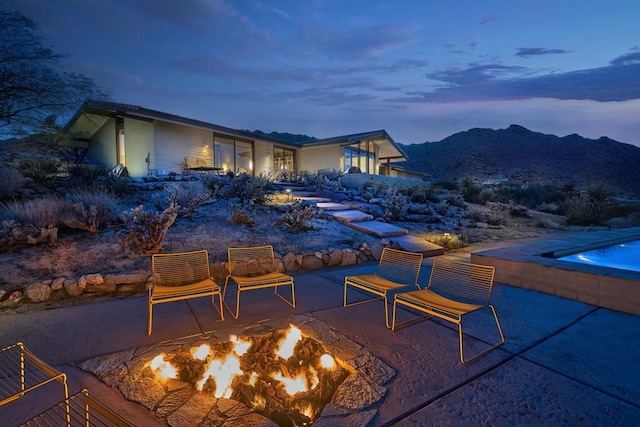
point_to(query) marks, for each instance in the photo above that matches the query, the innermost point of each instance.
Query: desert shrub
(329, 179)
(39, 169)
(31, 221)
(396, 203)
(494, 216)
(10, 182)
(118, 184)
(188, 197)
(442, 207)
(240, 213)
(213, 184)
(300, 217)
(592, 206)
(85, 175)
(38, 213)
(532, 196)
(88, 209)
(470, 191)
(251, 188)
(486, 195)
(455, 200)
(420, 193)
(144, 231)
(447, 241)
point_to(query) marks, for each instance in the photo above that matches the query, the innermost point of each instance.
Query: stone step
(377, 228)
(351, 215)
(415, 244)
(331, 206)
(312, 199)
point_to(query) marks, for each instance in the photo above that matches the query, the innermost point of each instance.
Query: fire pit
(266, 375)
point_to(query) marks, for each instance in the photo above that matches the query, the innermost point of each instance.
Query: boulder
(289, 262)
(57, 284)
(72, 288)
(348, 257)
(376, 251)
(2, 293)
(38, 292)
(312, 262)
(125, 278)
(335, 257)
(95, 283)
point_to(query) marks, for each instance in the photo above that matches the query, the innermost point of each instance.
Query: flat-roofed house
(147, 142)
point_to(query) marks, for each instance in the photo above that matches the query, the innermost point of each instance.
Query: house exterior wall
(312, 159)
(173, 143)
(138, 137)
(102, 147)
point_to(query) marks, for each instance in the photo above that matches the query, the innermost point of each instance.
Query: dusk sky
(422, 70)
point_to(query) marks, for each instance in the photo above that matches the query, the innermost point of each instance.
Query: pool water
(625, 256)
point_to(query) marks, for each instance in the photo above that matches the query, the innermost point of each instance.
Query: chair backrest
(190, 162)
(251, 261)
(462, 281)
(179, 269)
(202, 162)
(400, 266)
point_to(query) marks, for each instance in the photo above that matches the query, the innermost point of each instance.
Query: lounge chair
(253, 268)
(181, 276)
(396, 270)
(455, 289)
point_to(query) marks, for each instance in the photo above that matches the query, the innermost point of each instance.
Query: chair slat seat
(202, 288)
(396, 270)
(455, 289)
(375, 282)
(427, 298)
(267, 280)
(252, 268)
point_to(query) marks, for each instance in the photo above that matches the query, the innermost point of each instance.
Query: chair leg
(495, 316)
(292, 303)
(150, 320)
(213, 301)
(382, 296)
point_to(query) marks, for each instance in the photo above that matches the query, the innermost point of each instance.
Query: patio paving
(564, 361)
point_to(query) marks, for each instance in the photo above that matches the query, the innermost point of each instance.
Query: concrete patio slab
(377, 228)
(564, 361)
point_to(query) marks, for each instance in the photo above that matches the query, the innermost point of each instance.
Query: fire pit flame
(288, 344)
(296, 383)
(162, 368)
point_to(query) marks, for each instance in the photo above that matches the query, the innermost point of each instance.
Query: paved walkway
(564, 362)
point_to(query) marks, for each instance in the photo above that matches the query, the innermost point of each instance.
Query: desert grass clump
(31, 222)
(39, 169)
(83, 175)
(144, 231)
(299, 218)
(88, 210)
(10, 181)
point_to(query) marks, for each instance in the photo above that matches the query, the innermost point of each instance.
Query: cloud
(526, 52)
(618, 81)
(356, 43)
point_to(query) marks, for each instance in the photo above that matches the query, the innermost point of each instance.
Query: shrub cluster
(10, 181)
(39, 169)
(88, 209)
(299, 218)
(251, 188)
(144, 231)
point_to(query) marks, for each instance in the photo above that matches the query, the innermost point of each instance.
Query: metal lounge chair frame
(396, 270)
(182, 276)
(252, 268)
(21, 371)
(455, 289)
(81, 409)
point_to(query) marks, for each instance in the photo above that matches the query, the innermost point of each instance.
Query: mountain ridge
(523, 156)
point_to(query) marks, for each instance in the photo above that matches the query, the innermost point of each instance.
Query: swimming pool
(625, 256)
(540, 265)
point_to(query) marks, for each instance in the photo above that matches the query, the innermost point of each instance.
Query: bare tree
(31, 87)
